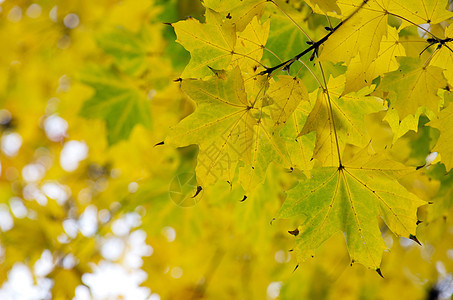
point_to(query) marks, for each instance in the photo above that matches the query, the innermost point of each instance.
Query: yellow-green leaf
(350, 199)
(361, 34)
(445, 124)
(211, 44)
(237, 12)
(413, 85)
(129, 50)
(348, 124)
(250, 44)
(118, 100)
(360, 74)
(266, 148)
(286, 93)
(221, 125)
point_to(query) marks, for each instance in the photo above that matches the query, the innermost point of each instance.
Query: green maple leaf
(129, 50)
(117, 100)
(350, 199)
(413, 85)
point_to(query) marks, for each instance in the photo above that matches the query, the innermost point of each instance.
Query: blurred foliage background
(91, 209)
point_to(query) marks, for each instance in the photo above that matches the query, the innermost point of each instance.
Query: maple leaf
(360, 74)
(129, 50)
(216, 44)
(420, 11)
(227, 127)
(221, 125)
(444, 123)
(350, 198)
(117, 100)
(410, 122)
(210, 44)
(250, 45)
(287, 92)
(281, 99)
(413, 85)
(300, 149)
(347, 125)
(266, 148)
(361, 34)
(238, 12)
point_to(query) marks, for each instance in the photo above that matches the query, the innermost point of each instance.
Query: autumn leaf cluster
(249, 139)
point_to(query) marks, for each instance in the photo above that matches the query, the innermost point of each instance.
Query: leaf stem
(292, 20)
(328, 20)
(272, 52)
(262, 47)
(249, 57)
(431, 56)
(415, 24)
(314, 75)
(329, 101)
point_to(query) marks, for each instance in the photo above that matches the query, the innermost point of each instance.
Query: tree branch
(314, 46)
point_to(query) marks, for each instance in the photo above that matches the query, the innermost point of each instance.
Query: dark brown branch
(314, 47)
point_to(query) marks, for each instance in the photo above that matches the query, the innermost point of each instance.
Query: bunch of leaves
(367, 58)
(318, 113)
